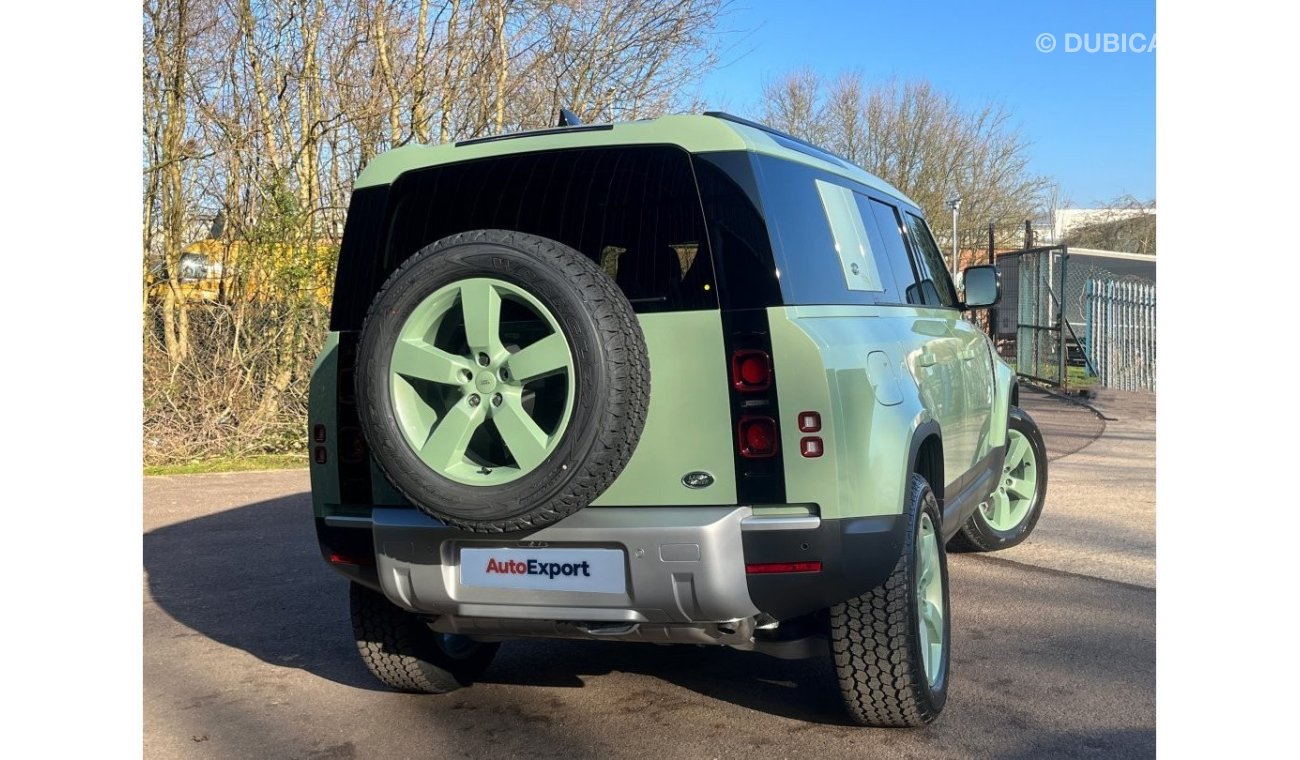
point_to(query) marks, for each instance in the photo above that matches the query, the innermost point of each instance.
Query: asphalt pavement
(248, 650)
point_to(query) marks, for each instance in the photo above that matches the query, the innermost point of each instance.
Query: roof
(696, 133)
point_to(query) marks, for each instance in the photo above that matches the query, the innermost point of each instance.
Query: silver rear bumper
(685, 565)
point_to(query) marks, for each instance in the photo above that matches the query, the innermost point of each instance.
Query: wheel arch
(1006, 396)
(925, 457)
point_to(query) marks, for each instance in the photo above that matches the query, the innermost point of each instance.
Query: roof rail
(535, 133)
(800, 144)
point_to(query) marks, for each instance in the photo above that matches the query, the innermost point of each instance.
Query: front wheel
(404, 653)
(890, 645)
(1011, 512)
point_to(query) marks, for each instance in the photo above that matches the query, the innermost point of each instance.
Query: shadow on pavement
(799, 689)
(1067, 427)
(252, 578)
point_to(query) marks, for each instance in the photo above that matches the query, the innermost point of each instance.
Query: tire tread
(871, 644)
(400, 650)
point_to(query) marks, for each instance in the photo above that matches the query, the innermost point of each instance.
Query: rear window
(634, 211)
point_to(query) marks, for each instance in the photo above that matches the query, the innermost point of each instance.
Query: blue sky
(1089, 116)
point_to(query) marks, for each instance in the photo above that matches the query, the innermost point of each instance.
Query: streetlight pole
(954, 204)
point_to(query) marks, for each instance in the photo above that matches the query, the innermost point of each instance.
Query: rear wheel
(890, 645)
(1012, 511)
(403, 652)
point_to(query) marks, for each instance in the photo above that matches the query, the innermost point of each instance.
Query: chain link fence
(1041, 326)
(1039, 344)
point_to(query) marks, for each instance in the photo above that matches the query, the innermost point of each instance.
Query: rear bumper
(684, 565)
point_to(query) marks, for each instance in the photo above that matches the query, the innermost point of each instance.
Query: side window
(850, 234)
(936, 287)
(742, 251)
(891, 233)
(805, 238)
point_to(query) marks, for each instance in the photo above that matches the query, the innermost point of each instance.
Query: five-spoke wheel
(1011, 511)
(476, 410)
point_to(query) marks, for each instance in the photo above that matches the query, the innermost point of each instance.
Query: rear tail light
(751, 370)
(809, 422)
(338, 558)
(347, 381)
(318, 433)
(757, 436)
(811, 447)
(321, 455)
(352, 446)
(761, 568)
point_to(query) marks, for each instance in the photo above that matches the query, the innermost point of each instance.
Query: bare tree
(918, 139)
(1124, 224)
(259, 114)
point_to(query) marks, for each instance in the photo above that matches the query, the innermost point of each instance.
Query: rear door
(973, 392)
(932, 348)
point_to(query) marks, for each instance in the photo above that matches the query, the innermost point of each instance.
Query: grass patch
(1075, 377)
(1078, 377)
(230, 464)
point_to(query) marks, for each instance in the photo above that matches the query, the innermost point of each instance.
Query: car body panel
(688, 425)
(322, 410)
(867, 441)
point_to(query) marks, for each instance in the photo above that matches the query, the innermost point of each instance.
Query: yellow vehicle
(213, 271)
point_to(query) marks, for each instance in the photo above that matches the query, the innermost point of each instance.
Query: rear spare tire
(502, 380)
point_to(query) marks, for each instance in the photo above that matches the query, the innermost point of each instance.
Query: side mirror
(983, 286)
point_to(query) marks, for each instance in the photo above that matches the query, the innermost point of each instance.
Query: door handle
(927, 359)
(968, 354)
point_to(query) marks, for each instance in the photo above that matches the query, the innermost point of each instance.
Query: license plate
(597, 570)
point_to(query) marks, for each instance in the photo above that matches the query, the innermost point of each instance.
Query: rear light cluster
(757, 437)
(811, 446)
(352, 446)
(319, 454)
(751, 372)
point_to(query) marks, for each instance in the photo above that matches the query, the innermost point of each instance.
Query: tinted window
(742, 252)
(890, 229)
(354, 282)
(893, 251)
(634, 211)
(804, 231)
(935, 283)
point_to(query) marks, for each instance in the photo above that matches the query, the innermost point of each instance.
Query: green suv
(685, 380)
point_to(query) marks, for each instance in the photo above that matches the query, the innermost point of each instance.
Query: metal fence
(1039, 342)
(1120, 333)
